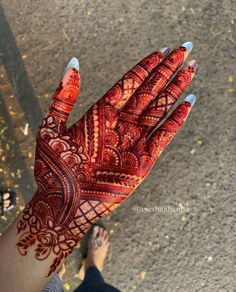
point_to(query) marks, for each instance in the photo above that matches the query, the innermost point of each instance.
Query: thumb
(66, 93)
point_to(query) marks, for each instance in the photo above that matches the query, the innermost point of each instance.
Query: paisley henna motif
(85, 172)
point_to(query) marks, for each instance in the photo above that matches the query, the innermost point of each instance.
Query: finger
(155, 83)
(162, 136)
(158, 109)
(121, 91)
(66, 93)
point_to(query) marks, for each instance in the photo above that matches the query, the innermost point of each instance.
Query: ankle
(89, 262)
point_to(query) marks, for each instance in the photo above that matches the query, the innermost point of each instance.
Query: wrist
(46, 236)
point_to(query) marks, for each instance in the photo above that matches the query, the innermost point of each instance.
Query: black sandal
(12, 198)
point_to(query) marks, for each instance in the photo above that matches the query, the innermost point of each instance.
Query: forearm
(21, 272)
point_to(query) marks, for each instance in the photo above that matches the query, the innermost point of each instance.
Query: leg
(54, 285)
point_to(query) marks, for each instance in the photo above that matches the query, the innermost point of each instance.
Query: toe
(99, 232)
(106, 238)
(6, 203)
(103, 232)
(6, 196)
(95, 231)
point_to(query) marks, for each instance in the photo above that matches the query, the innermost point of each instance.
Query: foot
(98, 245)
(7, 202)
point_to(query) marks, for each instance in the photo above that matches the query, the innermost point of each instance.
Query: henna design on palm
(87, 170)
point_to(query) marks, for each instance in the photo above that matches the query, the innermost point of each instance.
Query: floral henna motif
(86, 171)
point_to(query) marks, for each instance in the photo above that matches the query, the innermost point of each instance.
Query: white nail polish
(188, 46)
(191, 99)
(74, 63)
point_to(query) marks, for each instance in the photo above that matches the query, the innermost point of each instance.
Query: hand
(85, 171)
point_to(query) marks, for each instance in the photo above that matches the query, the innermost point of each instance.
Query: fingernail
(188, 46)
(191, 99)
(193, 64)
(165, 51)
(74, 63)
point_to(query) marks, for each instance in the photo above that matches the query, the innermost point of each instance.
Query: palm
(87, 170)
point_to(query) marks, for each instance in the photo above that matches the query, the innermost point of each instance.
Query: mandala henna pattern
(86, 171)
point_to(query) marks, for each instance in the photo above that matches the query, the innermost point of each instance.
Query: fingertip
(188, 46)
(73, 63)
(165, 51)
(190, 99)
(193, 64)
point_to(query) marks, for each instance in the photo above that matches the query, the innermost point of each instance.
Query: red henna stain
(86, 171)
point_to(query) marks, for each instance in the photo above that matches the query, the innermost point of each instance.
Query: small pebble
(142, 275)
(183, 218)
(4, 218)
(192, 151)
(209, 259)
(21, 207)
(67, 286)
(230, 78)
(111, 231)
(26, 129)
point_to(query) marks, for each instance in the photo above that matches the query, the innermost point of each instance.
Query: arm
(17, 272)
(87, 170)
